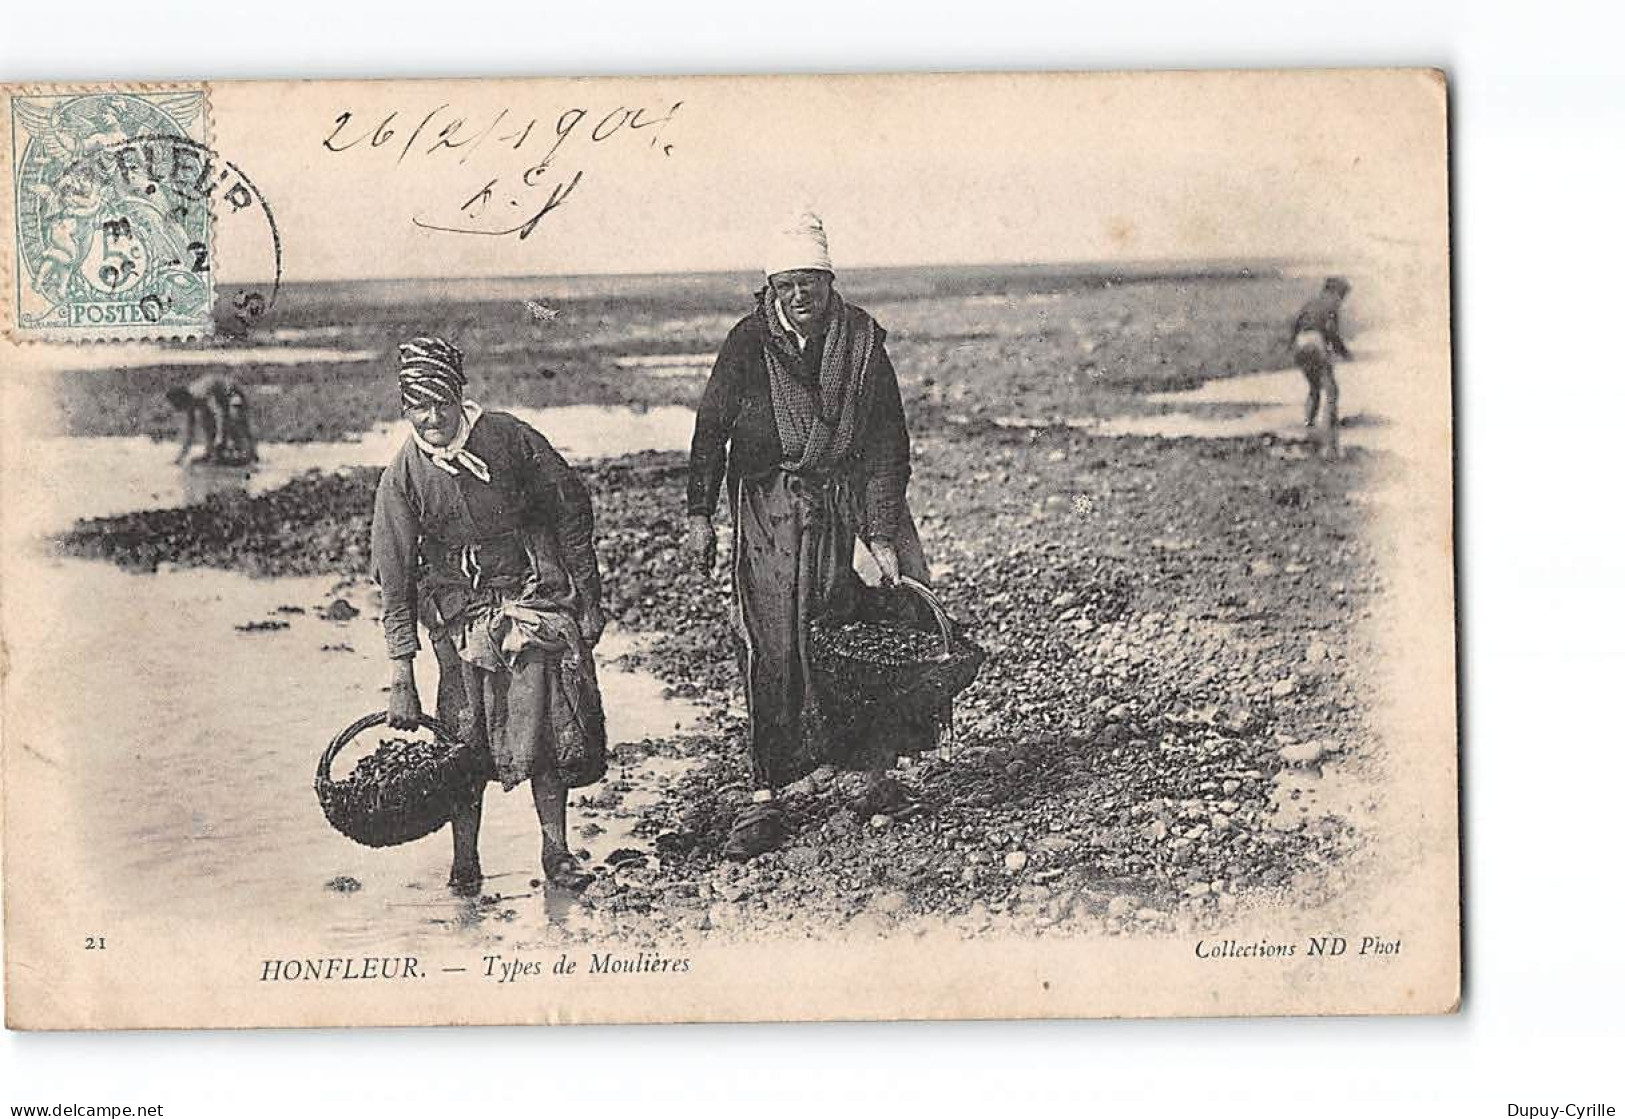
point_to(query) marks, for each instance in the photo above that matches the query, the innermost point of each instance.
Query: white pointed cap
(798, 243)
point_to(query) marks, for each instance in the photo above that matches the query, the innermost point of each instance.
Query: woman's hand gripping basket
(909, 672)
(404, 790)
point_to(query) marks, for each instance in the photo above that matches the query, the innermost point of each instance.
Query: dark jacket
(1320, 313)
(735, 434)
(421, 511)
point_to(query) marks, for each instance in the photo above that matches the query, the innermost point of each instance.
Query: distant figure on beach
(481, 531)
(215, 403)
(1316, 340)
(803, 422)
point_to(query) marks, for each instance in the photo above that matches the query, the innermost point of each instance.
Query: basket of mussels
(912, 671)
(404, 789)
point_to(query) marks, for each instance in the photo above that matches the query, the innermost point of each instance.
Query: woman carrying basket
(481, 530)
(803, 419)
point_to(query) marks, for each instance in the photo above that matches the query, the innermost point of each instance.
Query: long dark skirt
(794, 541)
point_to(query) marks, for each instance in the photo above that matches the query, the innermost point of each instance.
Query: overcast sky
(905, 170)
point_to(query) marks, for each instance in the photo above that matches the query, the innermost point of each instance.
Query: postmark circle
(125, 233)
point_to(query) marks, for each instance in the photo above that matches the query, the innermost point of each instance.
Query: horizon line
(1235, 262)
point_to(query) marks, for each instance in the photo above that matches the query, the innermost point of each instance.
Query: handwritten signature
(441, 130)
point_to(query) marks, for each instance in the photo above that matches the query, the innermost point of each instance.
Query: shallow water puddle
(668, 365)
(1371, 393)
(102, 476)
(199, 744)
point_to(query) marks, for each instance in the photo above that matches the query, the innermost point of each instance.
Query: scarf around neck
(817, 421)
(455, 457)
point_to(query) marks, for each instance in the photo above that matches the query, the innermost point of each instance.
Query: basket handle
(944, 623)
(324, 768)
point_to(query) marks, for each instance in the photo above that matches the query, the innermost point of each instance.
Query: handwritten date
(442, 133)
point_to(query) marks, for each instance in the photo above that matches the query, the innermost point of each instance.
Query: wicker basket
(406, 803)
(917, 687)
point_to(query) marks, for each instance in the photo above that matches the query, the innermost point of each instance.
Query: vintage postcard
(723, 548)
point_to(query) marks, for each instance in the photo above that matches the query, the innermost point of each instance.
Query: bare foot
(465, 880)
(562, 869)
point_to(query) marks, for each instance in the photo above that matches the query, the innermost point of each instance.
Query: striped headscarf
(431, 370)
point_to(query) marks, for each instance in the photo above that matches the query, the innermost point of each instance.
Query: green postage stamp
(112, 209)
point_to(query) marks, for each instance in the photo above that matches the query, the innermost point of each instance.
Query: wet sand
(196, 743)
(1371, 390)
(196, 740)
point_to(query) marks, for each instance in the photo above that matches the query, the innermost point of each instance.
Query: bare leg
(529, 702)
(1331, 449)
(547, 790)
(528, 721)
(1313, 407)
(558, 864)
(465, 846)
(211, 434)
(465, 824)
(218, 431)
(451, 702)
(245, 435)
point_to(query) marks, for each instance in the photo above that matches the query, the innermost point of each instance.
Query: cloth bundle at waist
(499, 561)
(1310, 343)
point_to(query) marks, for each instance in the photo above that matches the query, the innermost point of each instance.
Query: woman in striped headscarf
(803, 420)
(484, 533)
